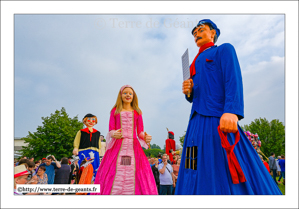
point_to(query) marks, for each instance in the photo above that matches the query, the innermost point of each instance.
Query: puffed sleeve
(77, 140)
(140, 131)
(112, 128)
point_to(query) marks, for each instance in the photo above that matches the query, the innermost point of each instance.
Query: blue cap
(211, 23)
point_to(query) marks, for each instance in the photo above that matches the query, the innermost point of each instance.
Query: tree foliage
(182, 138)
(154, 146)
(272, 135)
(153, 152)
(55, 136)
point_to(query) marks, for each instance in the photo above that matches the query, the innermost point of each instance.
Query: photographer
(167, 181)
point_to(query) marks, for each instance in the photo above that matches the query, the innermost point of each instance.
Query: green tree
(154, 146)
(153, 152)
(55, 136)
(271, 134)
(182, 138)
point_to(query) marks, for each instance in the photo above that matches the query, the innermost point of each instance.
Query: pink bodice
(115, 123)
(124, 182)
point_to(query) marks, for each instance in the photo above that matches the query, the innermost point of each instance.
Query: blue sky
(80, 62)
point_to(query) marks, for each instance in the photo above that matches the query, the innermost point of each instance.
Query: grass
(281, 186)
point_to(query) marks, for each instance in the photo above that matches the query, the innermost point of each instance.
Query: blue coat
(218, 84)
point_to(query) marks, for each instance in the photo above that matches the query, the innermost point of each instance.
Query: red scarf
(235, 169)
(201, 49)
(87, 131)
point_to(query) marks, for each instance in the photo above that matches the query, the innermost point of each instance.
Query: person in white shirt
(167, 181)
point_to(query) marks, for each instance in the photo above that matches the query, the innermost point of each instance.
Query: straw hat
(20, 170)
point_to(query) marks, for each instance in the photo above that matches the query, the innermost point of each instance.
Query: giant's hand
(229, 123)
(187, 86)
(147, 138)
(75, 151)
(117, 134)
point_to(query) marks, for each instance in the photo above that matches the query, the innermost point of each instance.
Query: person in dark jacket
(62, 174)
(74, 170)
(156, 174)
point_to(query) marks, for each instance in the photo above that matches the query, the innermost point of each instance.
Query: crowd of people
(46, 171)
(50, 171)
(165, 173)
(67, 171)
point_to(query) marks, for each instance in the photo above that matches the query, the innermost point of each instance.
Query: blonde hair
(119, 103)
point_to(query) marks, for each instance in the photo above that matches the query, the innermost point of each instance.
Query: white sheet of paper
(185, 65)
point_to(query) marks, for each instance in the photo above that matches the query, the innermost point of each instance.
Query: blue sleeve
(54, 164)
(190, 99)
(232, 81)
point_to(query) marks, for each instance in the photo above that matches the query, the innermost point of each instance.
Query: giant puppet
(217, 157)
(170, 145)
(87, 143)
(124, 169)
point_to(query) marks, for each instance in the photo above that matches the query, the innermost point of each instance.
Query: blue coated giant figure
(217, 157)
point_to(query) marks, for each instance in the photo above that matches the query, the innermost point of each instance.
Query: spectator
(23, 157)
(63, 174)
(176, 168)
(24, 161)
(152, 162)
(272, 165)
(278, 167)
(282, 167)
(156, 174)
(159, 158)
(74, 170)
(167, 181)
(31, 159)
(175, 158)
(265, 163)
(43, 160)
(31, 166)
(20, 177)
(41, 177)
(50, 168)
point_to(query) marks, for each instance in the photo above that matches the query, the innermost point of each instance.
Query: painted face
(127, 95)
(90, 122)
(202, 35)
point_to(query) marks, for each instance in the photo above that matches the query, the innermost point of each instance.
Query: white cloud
(76, 64)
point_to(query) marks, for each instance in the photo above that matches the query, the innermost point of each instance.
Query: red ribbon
(201, 49)
(233, 164)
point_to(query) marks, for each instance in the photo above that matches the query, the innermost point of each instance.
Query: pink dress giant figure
(124, 169)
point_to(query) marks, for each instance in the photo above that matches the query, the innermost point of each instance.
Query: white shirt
(166, 177)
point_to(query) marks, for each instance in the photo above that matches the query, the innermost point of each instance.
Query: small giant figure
(88, 143)
(170, 145)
